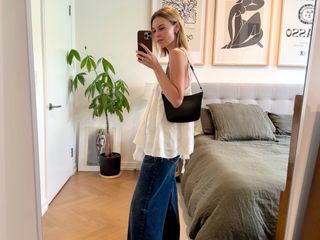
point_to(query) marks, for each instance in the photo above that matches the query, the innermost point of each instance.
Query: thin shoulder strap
(191, 66)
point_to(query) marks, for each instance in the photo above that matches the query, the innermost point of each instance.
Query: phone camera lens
(147, 35)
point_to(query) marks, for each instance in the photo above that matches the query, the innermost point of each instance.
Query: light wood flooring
(90, 207)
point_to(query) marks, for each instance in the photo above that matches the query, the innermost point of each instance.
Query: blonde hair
(172, 15)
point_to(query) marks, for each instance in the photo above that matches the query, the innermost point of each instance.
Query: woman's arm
(174, 87)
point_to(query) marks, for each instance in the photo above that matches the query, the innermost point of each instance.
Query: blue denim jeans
(154, 208)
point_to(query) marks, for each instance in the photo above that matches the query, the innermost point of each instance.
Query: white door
(60, 137)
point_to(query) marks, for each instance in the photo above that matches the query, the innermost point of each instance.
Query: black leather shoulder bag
(190, 108)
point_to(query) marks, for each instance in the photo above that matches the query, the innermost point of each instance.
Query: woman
(154, 207)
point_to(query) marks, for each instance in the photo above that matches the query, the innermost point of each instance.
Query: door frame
(41, 95)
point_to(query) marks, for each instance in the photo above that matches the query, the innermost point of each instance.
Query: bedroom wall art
(193, 12)
(242, 32)
(296, 27)
(90, 140)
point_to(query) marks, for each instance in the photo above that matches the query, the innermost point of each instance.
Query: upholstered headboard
(276, 98)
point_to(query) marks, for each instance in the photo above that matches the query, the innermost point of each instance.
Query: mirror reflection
(250, 58)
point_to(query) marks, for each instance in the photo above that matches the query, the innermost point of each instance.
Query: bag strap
(191, 66)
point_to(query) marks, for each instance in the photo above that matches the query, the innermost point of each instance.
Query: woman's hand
(148, 59)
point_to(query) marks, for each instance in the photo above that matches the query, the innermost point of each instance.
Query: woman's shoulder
(178, 50)
(179, 53)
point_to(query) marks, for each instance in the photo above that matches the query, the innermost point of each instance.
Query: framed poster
(296, 27)
(193, 13)
(242, 32)
(89, 143)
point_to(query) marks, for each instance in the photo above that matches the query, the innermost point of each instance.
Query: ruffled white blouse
(158, 137)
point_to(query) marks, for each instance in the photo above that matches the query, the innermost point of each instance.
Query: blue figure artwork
(243, 32)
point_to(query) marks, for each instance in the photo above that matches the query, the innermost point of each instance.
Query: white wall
(309, 139)
(17, 187)
(108, 28)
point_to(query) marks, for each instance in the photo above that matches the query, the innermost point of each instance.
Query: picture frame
(295, 33)
(194, 16)
(242, 34)
(88, 154)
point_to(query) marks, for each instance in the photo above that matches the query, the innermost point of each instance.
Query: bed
(233, 179)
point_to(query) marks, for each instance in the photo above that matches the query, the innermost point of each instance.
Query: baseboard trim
(124, 166)
(44, 208)
(130, 165)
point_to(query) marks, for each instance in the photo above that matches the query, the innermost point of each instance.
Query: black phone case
(145, 38)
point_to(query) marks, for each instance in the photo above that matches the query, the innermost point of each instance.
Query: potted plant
(106, 96)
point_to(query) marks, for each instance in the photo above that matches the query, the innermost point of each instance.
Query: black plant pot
(110, 166)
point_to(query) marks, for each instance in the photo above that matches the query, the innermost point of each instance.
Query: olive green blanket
(232, 189)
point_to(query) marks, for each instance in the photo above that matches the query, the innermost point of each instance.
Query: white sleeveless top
(158, 137)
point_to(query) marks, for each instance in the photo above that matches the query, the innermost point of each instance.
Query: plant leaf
(119, 114)
(100, 110)
(104, 93)
(90, 91)
(92, 63)
(83, 62)
(104, 101)
(110, 86)
(125, 103)
(92, 105)
(93, 89)
(89, 64)
(99, 87)
(75, 84)
(107, 65)
(73, 54)
(80, 77)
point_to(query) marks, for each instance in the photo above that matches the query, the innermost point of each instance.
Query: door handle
(51, 107)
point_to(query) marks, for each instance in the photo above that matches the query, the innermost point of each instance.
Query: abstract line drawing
(186, 8)
(244, 33)
(193, 14)
(189, 37)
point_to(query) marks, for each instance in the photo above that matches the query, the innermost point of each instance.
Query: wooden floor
(90, 207)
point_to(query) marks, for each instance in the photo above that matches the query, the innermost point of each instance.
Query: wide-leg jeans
(154, 208)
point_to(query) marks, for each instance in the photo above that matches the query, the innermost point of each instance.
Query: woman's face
(163, 33)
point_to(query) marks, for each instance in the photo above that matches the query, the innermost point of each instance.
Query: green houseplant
(106, 96)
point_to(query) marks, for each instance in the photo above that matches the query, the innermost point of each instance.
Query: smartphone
(144, 37)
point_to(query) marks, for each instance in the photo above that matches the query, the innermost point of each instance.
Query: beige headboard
(276, 98)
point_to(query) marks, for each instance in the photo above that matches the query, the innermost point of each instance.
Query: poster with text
(296, 27)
